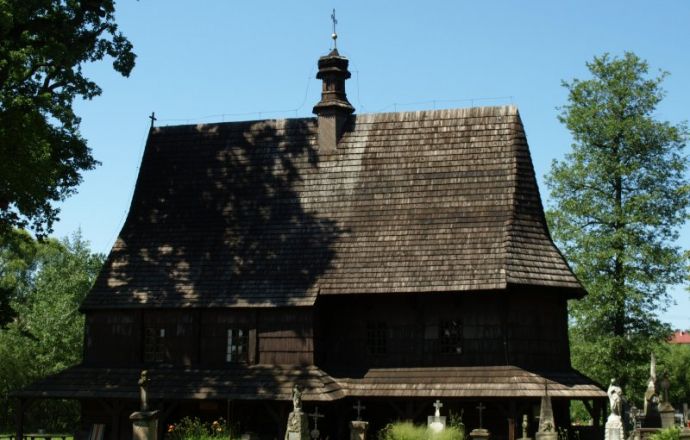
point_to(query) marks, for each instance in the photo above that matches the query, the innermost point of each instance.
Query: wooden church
(391, 259)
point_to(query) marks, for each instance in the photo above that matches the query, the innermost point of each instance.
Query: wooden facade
(408, 261)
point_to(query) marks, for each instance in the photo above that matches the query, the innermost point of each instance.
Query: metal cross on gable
(316, 416)
(153, 118)
(359, 407)
(334, 35)
(481, 409)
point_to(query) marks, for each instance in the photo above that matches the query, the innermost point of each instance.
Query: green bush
(410, 431)
(672, 433)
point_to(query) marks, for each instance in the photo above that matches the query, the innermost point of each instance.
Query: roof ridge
(454, 112)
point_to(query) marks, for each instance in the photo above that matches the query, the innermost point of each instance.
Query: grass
(410, 431)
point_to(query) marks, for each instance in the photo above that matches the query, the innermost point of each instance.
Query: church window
(450, 337)
(376, 337)
(154, 344)
(237, 349)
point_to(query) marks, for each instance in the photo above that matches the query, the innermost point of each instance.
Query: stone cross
(481, 409)
(359, 407)
(316, 416)
(438, 405)
(334, 35)
(143, 390)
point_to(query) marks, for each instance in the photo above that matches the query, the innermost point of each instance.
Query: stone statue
(143, 390)
(614, 424)
(297, 398)
(615, 398)
(525, 425)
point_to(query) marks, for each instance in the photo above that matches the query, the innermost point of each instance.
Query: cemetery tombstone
(651, 418)
(144, 421)
(315, 433)
(298, 423)
(667, 412)
(547, 425)
(480, 433)
(437, 422)
(358, 428)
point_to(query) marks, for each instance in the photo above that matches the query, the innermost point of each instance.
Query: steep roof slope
(253, 214)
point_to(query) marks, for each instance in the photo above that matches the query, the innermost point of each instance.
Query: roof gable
(253, 214)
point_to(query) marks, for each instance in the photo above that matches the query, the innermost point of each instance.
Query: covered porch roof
(264, 382)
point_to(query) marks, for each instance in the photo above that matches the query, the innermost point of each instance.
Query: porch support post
(21, 407)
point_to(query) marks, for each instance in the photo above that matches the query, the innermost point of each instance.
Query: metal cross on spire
(334, 35)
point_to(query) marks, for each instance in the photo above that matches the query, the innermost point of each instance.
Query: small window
(237, 349)
(376, 337)
(154, 344)
(450, 337)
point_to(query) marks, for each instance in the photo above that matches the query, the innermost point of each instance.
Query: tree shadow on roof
(217, 219)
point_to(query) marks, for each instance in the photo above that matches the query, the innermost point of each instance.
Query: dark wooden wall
(113, 338)
(196, 337)
(527, 329)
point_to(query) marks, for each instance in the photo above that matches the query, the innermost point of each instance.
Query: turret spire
(334, 108)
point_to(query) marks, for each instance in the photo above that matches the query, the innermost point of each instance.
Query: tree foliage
(674, 360)
(618, 200)
(44, 45)
(45, 334)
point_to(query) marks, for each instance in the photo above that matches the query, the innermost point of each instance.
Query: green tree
(46, 333)
(618, 200)
(17, 258)
(44, 45)
(674, 360)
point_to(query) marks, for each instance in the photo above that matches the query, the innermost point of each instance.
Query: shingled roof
(253, 214)
(261, 382)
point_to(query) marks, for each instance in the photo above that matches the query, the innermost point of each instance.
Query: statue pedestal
(358, 430)
(546, 435)
(667, 414)
(144, 425)
(614, 428)
(480, 434)
(297, 426)
(436, 423)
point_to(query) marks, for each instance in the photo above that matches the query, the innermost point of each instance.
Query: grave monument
(358, 428)
(525, 427)
(480, 433)
(437, 422)
(667, 413)
(315, 433)
(144, 421)
(614, 423)
(547, 425)
(298, 423)
(652, 418)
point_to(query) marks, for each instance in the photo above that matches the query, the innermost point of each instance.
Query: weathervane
(334, 35)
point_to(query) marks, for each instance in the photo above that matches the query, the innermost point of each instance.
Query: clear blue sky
(210, 61)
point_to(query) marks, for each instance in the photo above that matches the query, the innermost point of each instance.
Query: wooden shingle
(253, 214)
